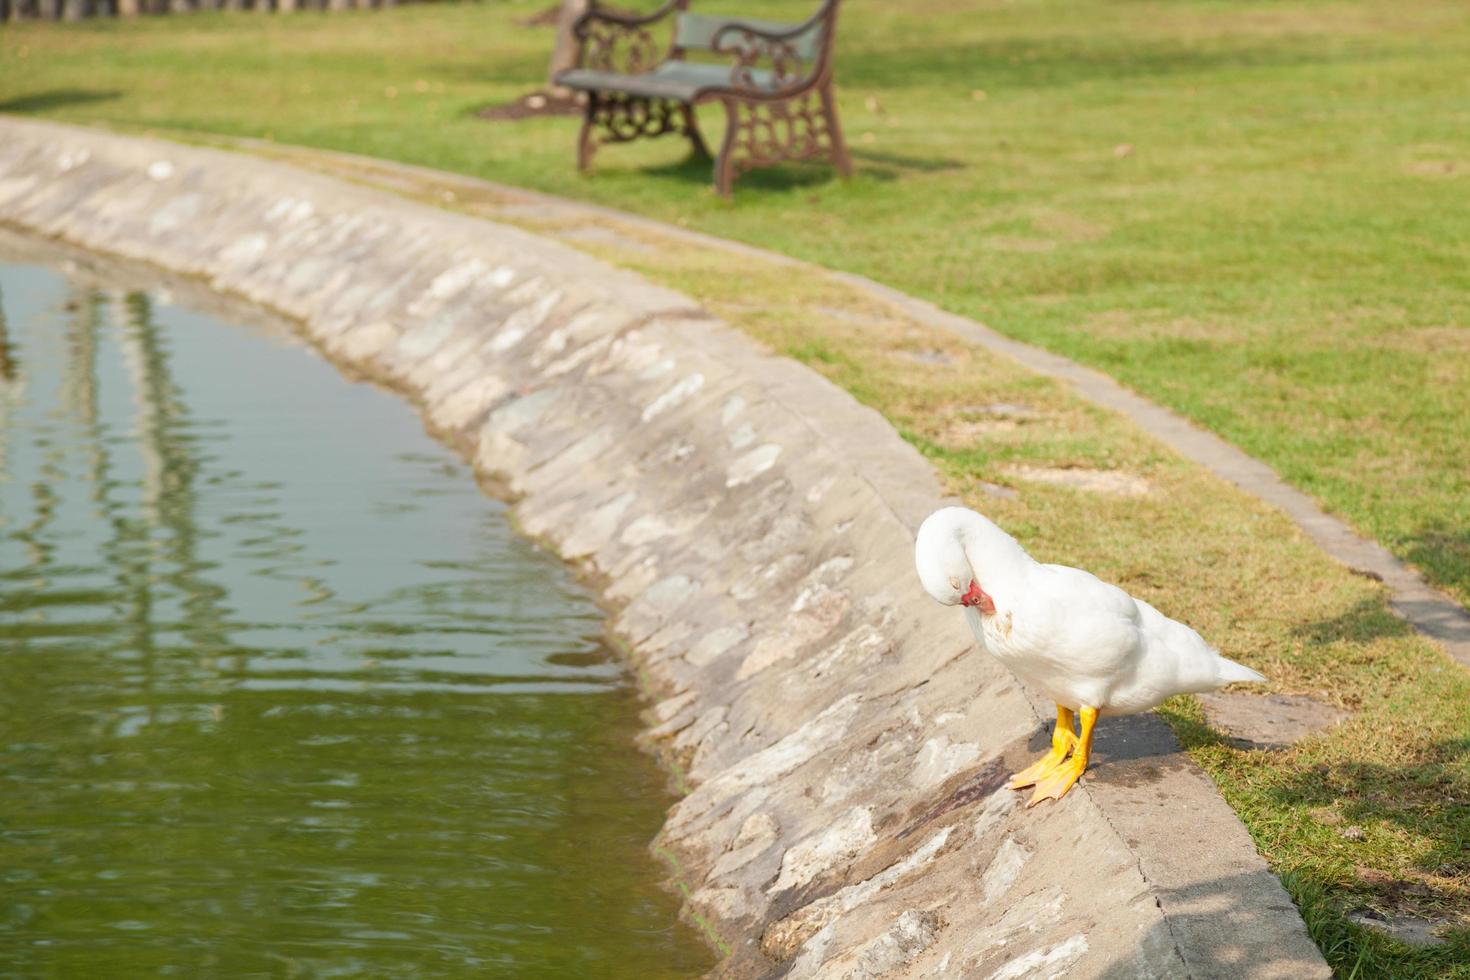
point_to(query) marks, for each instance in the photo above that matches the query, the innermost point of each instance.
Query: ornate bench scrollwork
(776, 87)
(751, 49)
(622, 43)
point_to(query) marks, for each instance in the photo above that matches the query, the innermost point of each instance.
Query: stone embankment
(842, 751)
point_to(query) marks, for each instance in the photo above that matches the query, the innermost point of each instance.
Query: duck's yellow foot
(1063, 742)
(1055, 785)
(1042, 767)
(1062, 777)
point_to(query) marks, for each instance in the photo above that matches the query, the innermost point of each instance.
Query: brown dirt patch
(964, 433)
(533, 105)
(965, 426)
(1437, 168)
(1015, 243)
(1069, 227)
(1430, 340)
(1111, 482)
(1268, 721)
(1407, 929)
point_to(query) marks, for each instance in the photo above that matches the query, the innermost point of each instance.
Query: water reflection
(281, 693)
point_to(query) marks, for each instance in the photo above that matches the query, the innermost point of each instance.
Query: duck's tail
(1230, 672)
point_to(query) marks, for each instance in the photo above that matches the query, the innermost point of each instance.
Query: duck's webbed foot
(1055, 784)
(1062, 777)
(1063, 741)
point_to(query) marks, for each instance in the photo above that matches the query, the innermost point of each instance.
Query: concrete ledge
(843, 748)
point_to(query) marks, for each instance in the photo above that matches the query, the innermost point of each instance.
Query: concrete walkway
(1427, 609)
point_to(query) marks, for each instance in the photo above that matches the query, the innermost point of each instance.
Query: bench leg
(761, 133)
(840, 158)
(613, 117)
(587, 139)
(691, 129)
(725, 162)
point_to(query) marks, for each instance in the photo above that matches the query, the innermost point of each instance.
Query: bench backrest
(803, 55)
(696, 32)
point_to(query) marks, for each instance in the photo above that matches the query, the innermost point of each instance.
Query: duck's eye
(954, 583)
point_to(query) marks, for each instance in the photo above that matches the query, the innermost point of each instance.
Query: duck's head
(940, 557)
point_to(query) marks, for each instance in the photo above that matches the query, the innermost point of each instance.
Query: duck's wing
(1138, 656)
(1178, 660)
(1093, 625)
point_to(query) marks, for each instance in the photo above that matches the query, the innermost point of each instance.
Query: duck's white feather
(1073, 637)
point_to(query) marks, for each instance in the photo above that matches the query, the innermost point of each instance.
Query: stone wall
(842, 748)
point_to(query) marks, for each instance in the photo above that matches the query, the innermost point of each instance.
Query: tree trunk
(564, 52)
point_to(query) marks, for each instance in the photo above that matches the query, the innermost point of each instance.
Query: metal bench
(775, 85)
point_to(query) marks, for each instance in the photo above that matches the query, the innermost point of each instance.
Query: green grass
(1281, 253)
(1252, 212)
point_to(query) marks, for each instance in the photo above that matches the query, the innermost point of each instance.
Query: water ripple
(282, 693)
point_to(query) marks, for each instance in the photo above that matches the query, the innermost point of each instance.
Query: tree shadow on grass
(42, 102)
(1019, 62)
(802, 175)
(901, 161)
(1428, 794)
(1354, 631)
(1368, 620)
(1420, 800)
(786, 177)
(1426, 797)
(1444, 553)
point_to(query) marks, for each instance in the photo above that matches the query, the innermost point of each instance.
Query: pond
(282, 692)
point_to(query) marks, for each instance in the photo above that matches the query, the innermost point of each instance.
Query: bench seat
(683, 81)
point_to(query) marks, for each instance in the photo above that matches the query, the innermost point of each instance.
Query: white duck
(1087, 645)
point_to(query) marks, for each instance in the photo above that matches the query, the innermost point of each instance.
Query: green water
(280, 693)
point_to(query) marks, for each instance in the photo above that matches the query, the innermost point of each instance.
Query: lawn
(1254, 213)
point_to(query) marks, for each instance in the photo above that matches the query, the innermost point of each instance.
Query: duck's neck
(1000, 564)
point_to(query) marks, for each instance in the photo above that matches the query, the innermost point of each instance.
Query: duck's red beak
(978, 598)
